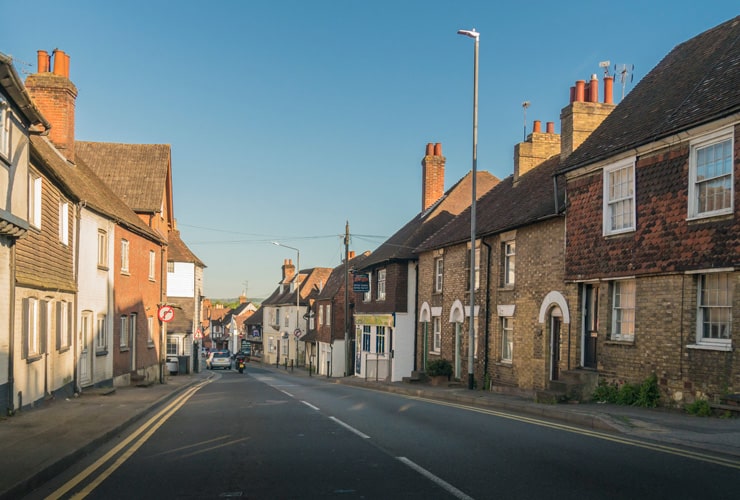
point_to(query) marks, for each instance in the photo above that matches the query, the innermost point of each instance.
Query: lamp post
(297, 294)
(471, 347)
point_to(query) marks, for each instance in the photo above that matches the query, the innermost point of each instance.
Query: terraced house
(653, 232)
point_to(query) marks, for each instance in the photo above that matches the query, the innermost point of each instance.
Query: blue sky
(289, 118)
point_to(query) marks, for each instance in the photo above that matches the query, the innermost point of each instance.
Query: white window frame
(509, 262)
(328, 314)
(624, 300)
(33, 333)
(150, 330)
(439, 272)
(34, 200)
(477, 265)
(381, 284)
(436, 334)
(368, 296)
(102, 248)
(152, 265)
(101, 333)
(366, 338)
(507, 339)
(124, 343)
(714, 309)
(617, 195)
(5, 138)
(124, 256)
(64, 326)
(725, 138)
(64, 222)
(173, 345)
(321, 314)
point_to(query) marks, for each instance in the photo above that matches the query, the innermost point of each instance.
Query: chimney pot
(58, 62)
(608, 89)
(537, 127)
(430, 149)
(43, 61)
(580, 90)
(550, 127)
(593, 89)
(438, 149)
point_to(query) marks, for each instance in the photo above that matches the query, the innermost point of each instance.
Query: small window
(64, 222)
(102, 249)
(64, 325)
(31, 327)
(711, 175)
(714, 317)
(34, 200)
(150, 330)
(170, 267)
(152, 264)
(5, 128)
(436, 334)
(101, 334)
(124, 332)
(321, 315)
(509, 267)
(439, 267)
(328, 314)
(619, 197)
(173, 345)
(366, 338)
(380, 339)
(124, 256)
(507, 339)
(381, 284)
(623, 310)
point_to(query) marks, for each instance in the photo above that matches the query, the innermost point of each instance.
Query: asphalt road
(267, 435)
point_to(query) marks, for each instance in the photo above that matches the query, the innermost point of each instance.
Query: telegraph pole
(347, 353)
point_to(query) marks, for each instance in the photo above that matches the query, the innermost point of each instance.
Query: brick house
(522, 307)
(138, 248)
(386, 317)
(19, 119)
(328, 315)
(653, 227)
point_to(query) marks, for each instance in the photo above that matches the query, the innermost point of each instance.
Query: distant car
(219, 359)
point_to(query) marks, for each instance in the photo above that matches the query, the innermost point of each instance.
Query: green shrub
(628, 394)
(699, 408)
(605, 393)
(439, 367)
(648, 395)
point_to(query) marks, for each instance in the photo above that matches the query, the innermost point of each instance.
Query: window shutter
(59, 325)
(26, 332)
(43, 326)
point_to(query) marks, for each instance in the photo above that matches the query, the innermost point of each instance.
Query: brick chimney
(585, 113)
(433, 175)
(288, 270)
(55, 96)
(538, 147)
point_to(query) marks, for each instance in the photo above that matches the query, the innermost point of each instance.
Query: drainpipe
(416, 319)
(488, 307)
(163, 329)
(11, 329)
(75, 348)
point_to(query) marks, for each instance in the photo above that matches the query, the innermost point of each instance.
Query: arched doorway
(554, 314)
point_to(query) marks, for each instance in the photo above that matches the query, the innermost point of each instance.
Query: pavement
(38, 443)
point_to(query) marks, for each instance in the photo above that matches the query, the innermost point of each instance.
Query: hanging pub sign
(361, 283)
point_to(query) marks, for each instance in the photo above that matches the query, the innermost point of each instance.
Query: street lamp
(297, 294)
(471, 347)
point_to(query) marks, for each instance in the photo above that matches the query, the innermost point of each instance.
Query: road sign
(166, 314)
(297, 332)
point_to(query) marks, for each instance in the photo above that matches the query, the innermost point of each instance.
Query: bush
(699, 408)
(439, 367)
(605, 393)
(649, 394)
(646, 395)
(628, 394)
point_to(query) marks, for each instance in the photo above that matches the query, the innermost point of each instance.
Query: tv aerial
(525, 105)
(625, 74)
(605, 65)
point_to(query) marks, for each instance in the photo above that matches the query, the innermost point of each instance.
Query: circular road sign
(166, 314)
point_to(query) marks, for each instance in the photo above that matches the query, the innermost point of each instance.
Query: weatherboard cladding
(137, 172)
(697, 82)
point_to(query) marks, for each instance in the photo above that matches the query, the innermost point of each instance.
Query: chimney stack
(55, 95)
(536, 149)
(288, 270)
(581, 117)
(433, 175)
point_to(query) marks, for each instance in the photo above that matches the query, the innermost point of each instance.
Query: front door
(555, 324)
(458, 340)
(590, 324)
(85, 344)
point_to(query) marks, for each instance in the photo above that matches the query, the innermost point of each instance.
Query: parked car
(219, 359)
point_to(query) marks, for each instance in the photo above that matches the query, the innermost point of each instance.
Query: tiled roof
(137, 172)
(256, 318)
(696, 83)
(506, 206)
(178, 251)
(88, 188)
(401, 245)
(336, 279)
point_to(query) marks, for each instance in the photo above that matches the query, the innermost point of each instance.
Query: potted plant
(439, 371)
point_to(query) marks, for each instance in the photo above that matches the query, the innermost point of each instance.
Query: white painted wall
(181, 282)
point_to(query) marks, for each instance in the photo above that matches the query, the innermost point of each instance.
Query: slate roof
(335, 282)
(178, 251)
(137, 172)
(506, 206)
(256, 318)
(401, 245)
(86, 187)
(312, 279)
(696, 83)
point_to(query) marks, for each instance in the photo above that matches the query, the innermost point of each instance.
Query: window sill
(505, 363)
(103, 352)
(124, 349)
(711, 347)
(33, 358)
(125, 273)
(150, 345)
(102, 268)
(623, 342)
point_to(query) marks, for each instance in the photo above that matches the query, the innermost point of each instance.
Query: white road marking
(350, 428)
(436, 480)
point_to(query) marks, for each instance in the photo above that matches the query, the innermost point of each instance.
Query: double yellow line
(139, 437)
